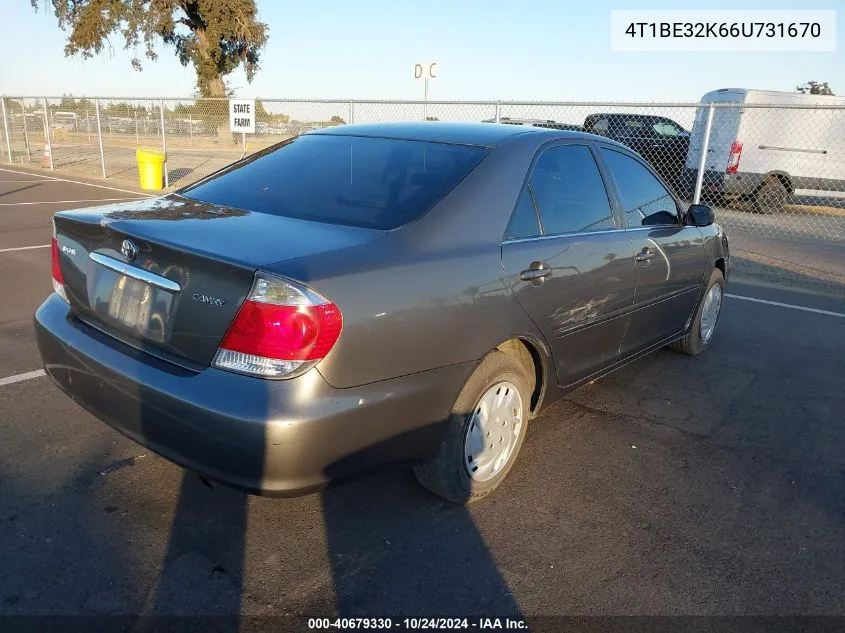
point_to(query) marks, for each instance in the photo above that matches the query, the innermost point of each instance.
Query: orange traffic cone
(46, 159)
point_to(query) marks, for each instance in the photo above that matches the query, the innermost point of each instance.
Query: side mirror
(699, 215)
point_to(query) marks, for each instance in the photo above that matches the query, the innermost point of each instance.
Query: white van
(767, 155)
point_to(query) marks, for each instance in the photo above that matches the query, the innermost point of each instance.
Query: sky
(515, 50)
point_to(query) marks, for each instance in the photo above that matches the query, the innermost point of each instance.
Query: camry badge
(129, 250)
(201, 298)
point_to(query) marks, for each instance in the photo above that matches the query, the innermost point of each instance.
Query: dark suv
(659, 140)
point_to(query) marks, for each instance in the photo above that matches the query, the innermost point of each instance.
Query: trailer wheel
(771, 197)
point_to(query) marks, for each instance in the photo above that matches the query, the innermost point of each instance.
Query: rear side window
(646, 202)
(599, 126)
(634, 127)
(352, 180)
(524, 222)
(569, 191)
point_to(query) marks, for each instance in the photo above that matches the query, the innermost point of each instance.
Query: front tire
(703, 327)
(485, 432)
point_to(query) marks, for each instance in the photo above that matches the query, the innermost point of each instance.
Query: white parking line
(23, 248)
(787, 305)
(18, 204)
(75, 182)
(8, 380)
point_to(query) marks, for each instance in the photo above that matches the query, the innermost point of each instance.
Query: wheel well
(720, 264)
(529, 356)
(784, 179)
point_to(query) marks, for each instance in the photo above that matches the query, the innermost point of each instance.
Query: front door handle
(645, 255)
(536, 273)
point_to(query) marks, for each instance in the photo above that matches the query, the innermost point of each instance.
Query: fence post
(25, 133)
(703, 158)
(100, 136)
(6, 128)
(47, 133)
(498, 112)
(163, 142)
(351, 111)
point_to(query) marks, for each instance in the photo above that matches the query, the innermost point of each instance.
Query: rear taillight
(281, 330)
(58, 278)
(733, 159)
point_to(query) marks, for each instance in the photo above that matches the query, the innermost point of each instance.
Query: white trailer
(765, 154)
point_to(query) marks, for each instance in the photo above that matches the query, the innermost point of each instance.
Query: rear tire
(771, 197)
(500, 378)
(699, 338)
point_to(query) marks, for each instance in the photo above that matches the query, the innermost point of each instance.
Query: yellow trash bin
(150, 168)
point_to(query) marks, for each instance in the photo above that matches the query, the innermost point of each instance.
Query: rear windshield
(353, 180)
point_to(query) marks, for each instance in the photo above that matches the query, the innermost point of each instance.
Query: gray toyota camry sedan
(405, 292)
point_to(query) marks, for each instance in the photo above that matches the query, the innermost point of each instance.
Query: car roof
(625, 115)
(469, 133)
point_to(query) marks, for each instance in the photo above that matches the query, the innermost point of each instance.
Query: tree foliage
(264, 116)
(80, 106)
(215, 36)
(815, 88)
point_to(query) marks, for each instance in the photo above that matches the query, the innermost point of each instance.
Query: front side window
(665, 128)
(645, 201)
(338, 179)
(569, 191)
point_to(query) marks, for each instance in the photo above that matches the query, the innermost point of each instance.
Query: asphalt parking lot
(676, 486)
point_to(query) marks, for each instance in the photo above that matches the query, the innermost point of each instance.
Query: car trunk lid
(168, 275)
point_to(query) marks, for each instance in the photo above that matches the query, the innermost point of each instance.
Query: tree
(431, 118)
(85, 106)
(216, 36)
(68, 103)
(261, 114)
(123, 109)
(336, 120)
(815, 88)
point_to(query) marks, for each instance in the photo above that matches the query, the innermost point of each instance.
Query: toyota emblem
(129, 250)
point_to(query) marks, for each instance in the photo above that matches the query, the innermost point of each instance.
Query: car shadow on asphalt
(396, 548)
(205, 553)
(393, 549)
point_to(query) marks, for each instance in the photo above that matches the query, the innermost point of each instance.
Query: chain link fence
(772, 172)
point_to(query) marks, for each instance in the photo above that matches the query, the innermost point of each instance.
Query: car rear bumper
(718, 184)
(263, 436)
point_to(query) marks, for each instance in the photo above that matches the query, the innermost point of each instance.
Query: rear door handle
(537, 272)
(530, 275)
(645, 255)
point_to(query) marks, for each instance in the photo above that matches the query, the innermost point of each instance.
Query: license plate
(131, 302)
